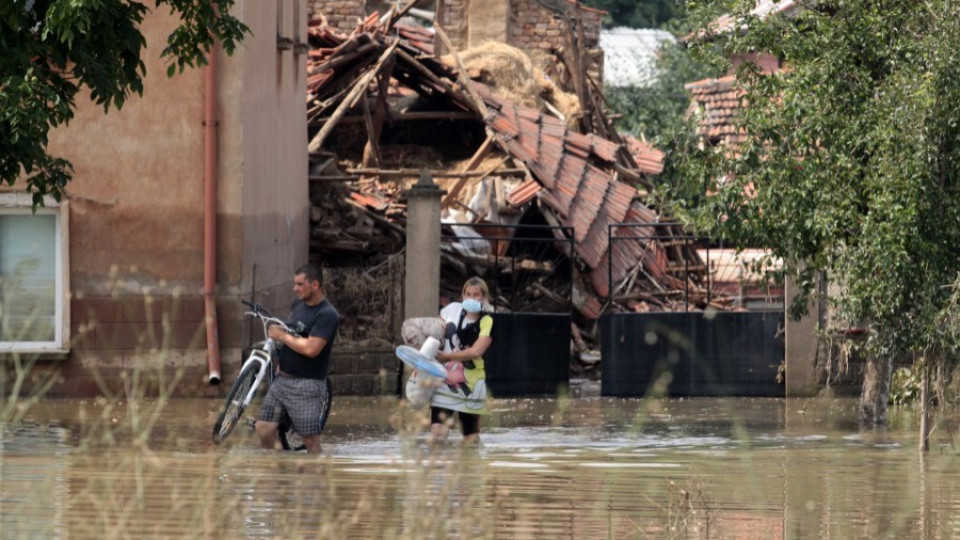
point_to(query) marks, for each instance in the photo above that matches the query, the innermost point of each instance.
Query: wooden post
(925, 407)
(462, 76)
(438, 22)
(371, 150)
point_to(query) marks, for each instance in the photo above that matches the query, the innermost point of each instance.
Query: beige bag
(419, 388)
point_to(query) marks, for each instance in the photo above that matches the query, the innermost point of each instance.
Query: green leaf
(92, 46)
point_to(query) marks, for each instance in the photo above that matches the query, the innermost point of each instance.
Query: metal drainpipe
(210, 124)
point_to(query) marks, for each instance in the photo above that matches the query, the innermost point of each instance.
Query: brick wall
(343, 14)
(141, 345)
(453, 20)
(532, 26)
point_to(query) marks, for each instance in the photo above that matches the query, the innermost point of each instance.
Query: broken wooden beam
(332, 178)
(475, 160)
(395, 173)
(407, 117)
(539, 289)
(343, 58)
(483, 174)
(462, 73)
(356, 91)
(341, 245)
(413, 62)
(374, 125)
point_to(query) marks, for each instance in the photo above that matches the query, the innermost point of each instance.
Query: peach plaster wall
(136, 213)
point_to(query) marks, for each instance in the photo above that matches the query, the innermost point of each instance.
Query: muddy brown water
(588, 468)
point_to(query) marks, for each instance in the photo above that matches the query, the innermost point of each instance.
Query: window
(32, 276)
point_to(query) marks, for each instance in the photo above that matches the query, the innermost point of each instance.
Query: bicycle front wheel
(233, 407)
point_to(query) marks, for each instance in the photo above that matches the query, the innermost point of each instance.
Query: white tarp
(630, 55)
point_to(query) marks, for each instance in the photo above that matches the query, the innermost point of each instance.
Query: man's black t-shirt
(321, 321)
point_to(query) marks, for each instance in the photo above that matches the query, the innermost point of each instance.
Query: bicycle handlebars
(256, 307)
(265, 317)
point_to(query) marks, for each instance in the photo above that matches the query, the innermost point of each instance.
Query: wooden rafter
(358, 89)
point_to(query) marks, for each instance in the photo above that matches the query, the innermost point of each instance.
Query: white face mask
(471, 305)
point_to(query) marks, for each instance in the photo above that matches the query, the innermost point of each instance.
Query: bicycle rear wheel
(233, 407)
(289, 438)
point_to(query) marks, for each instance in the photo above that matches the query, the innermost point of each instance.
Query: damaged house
(508, 144)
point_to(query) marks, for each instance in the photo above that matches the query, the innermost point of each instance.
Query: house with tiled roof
(716, 102)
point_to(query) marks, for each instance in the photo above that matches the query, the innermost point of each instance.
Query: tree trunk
(925, 407)
(876, 391)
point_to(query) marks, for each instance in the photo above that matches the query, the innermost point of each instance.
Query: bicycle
(255, 368)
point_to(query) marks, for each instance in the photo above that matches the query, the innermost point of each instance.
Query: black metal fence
(692, 354)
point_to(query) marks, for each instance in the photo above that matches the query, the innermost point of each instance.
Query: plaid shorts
(298, 399)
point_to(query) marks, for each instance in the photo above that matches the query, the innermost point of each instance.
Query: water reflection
(587, 468)
(30, 480)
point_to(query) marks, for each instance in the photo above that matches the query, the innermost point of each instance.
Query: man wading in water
(301, 383)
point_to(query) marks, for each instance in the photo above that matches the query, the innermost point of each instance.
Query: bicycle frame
(264, 354)
(265, 359)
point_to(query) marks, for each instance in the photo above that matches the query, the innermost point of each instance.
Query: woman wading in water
(464, 391)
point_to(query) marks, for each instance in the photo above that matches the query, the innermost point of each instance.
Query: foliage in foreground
(51, 49)
(850, 167)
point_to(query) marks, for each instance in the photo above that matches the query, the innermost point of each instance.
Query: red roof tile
(419, 37)
(524, 192)
(716, 104)
(649, 159)
(574, 170)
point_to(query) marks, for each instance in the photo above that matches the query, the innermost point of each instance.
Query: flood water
(590, 468)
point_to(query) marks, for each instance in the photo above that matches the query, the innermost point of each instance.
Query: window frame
(22, 204)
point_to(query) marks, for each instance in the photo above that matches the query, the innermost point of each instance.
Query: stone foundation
(124, 347)
(353, 372)
(364, 372)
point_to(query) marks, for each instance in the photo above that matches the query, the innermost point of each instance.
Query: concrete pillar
(422, 282)
(800, 350)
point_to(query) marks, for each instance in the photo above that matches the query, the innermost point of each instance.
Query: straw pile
(515, 77)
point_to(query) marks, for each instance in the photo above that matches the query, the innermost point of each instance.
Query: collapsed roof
(587, 181)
